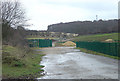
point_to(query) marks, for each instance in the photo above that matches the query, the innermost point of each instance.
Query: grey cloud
(91, 6)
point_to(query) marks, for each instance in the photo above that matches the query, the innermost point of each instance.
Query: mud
(70, 63)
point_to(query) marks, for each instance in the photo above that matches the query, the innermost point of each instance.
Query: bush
(13, 37)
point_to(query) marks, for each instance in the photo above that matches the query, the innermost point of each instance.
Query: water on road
(70, 63)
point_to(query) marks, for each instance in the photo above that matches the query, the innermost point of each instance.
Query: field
(37, 37)
(97, 37)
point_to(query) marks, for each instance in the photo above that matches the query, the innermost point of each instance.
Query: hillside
(85, 27)
(97, 37)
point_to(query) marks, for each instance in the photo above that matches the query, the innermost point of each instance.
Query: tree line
(13, 22)
(86, 27)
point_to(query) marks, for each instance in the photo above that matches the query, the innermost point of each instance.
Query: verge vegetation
(18, 64)
(18, 60)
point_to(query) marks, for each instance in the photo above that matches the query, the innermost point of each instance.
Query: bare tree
(12, 13)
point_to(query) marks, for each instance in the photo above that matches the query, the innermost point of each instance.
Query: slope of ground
(16, 63)
(97, 37)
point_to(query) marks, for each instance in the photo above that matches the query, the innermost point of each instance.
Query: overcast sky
(45, 12)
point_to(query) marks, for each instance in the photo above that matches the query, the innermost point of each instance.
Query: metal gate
(40, 43)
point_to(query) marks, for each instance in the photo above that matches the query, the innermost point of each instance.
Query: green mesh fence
(40, 43)
(106, 48)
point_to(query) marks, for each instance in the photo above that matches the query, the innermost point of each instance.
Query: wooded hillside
(85, 27)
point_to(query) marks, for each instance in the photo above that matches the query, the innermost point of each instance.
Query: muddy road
(70, 63)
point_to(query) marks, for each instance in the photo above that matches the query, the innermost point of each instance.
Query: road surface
(70, 63)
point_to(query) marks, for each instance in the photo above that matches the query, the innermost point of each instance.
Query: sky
(46, 12)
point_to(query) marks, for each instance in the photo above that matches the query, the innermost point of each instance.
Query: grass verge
(19, 64)
(97, 53)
